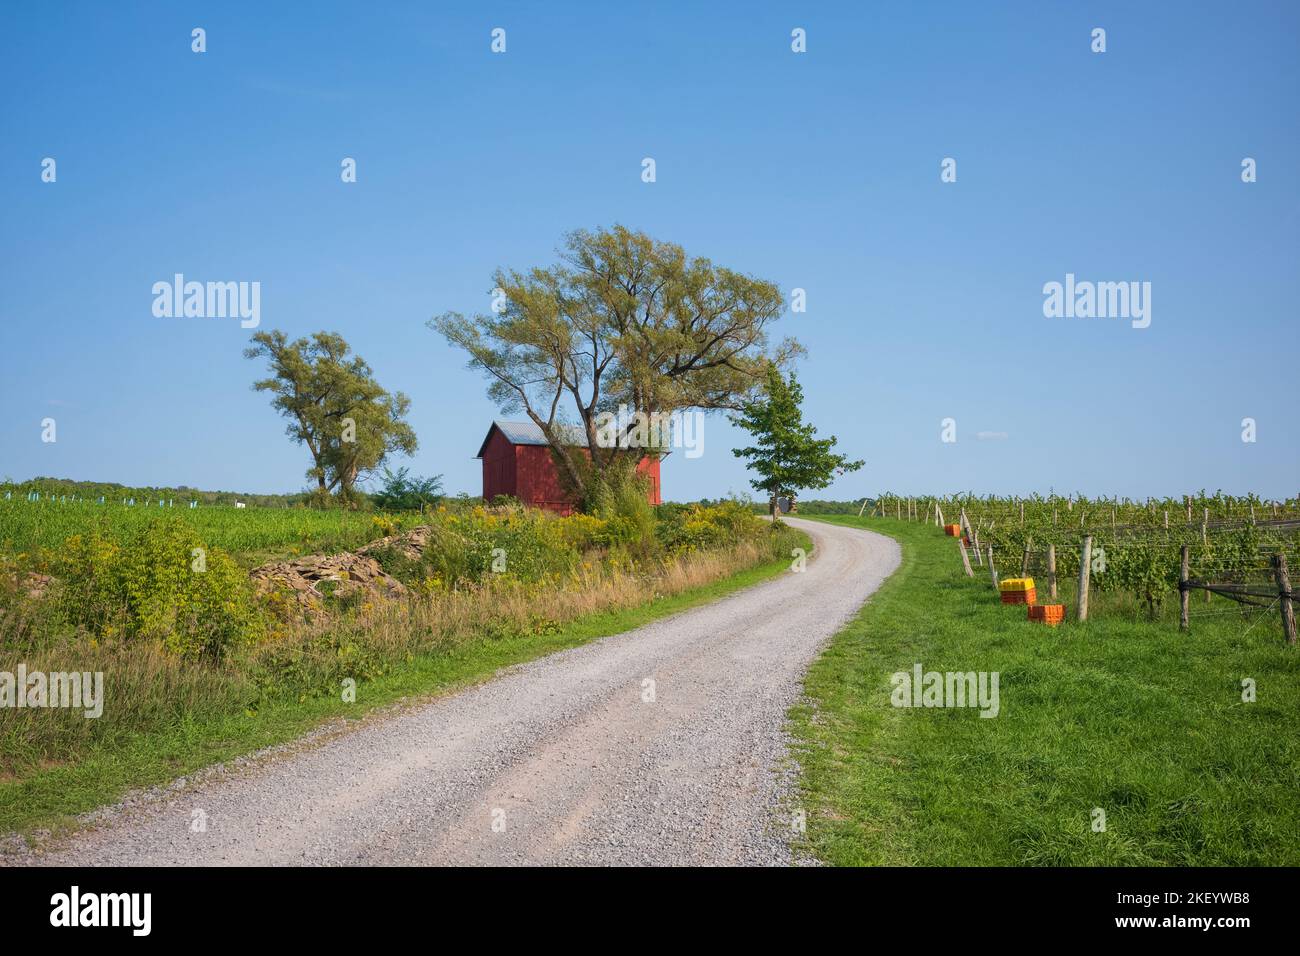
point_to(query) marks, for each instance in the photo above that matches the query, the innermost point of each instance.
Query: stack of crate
(1018, 591)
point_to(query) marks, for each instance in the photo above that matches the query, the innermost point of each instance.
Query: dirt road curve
(560, 761)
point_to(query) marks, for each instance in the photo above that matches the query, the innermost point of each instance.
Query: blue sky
(817, 170)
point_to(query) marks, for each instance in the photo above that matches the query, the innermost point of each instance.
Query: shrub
(403, 492)
(582, 532)
(621, 503)
(690, 528)
(162, 586)
(468, 547)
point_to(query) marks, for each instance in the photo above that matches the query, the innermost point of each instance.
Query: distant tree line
(399, 492)
(813, 506)
(115, 492)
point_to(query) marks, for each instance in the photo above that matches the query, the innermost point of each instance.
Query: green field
(1120, 715)
(28, 527)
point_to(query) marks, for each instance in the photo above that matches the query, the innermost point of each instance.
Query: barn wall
(539, 482)
(499, 474)
(649, 468)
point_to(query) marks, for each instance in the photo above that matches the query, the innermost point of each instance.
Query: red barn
(517, 461)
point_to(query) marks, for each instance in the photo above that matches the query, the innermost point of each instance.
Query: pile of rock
(350, 573)
(302, 578)
(412, 544)
(35, 585)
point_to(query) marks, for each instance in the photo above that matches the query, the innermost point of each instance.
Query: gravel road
(559, 761)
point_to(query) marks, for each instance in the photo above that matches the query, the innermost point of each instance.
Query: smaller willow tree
(787, 453)
(348, 422)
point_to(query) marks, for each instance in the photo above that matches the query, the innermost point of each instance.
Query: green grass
(51, 798)
(1118, 713)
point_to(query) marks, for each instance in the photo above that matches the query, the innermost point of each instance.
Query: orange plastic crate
(1029, 597)
(952, 530)
(1052, 614)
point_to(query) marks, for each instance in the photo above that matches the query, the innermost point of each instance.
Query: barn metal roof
(529, 433)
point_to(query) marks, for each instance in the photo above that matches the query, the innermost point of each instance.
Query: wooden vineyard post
(1022, 512)
(965, 558)
(1188, 499)
(1051, 570)
(1205, 540)
(863, 508)
(992, 571)
(899, 508)
(1284, 596)
(975, 540)
(1184, 594)
(1085, 574)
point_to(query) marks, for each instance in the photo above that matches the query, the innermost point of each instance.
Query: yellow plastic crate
(1016, 584)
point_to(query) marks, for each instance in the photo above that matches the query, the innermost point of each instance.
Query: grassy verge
(51, 797)
(1118, 715)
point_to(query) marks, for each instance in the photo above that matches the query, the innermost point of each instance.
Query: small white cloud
(991, 436)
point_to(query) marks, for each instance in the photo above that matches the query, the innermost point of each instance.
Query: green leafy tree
(348, 422)
(787, 453)
(623, 319)
(402, 492)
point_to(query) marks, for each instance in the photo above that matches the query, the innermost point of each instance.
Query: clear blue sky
(816, 170)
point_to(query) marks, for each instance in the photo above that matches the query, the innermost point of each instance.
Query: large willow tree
(621, 319)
